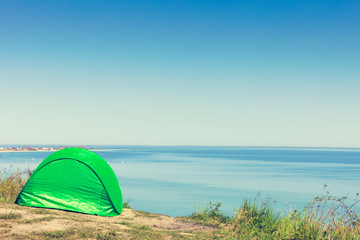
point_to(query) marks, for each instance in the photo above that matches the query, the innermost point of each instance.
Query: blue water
(177, 180)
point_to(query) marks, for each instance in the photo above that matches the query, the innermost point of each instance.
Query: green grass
(254, 219)
(326, 217)
(210, 215)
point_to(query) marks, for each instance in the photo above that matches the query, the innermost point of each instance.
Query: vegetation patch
(126, 204)
(10, 215)
(210, 215)
(11, 183)
(326, 217)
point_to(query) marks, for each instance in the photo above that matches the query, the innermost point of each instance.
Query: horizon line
(180, 145)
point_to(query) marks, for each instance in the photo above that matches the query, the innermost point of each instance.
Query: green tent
(73, 179)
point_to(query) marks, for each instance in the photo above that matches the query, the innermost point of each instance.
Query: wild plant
(126, 204)
(337, 217)
(210, 215)
(326, 217)
(11, 183)
(254, 219)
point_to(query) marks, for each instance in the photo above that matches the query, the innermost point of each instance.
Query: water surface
(176, 180)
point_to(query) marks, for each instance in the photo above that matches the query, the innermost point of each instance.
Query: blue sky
(247, 73)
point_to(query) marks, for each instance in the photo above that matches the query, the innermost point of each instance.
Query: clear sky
(247, 73)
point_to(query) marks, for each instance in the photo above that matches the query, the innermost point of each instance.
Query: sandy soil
(37, 220)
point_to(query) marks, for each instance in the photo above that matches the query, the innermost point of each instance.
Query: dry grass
(10, 215)
(11, 183)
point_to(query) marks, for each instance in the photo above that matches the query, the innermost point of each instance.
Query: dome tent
(74, 179)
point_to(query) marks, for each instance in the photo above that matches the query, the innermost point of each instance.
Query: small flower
(325, 185)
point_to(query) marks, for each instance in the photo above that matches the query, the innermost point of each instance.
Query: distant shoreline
(6, 151)
(42, 150)
(128, 147)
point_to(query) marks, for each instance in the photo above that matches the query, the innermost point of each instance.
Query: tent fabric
(74, 179)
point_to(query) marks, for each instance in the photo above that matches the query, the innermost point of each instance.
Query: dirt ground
(20, 222)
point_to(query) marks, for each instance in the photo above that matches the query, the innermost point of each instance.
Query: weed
(210, 215)
(254, 219)
(126, 204)
(326, 217)
(11, 183)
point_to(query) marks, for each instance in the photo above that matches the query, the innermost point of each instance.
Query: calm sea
(176, 180)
